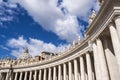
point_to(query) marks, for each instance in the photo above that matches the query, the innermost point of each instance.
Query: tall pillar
(0, 76)
(21, 74)
(89, 67)
(64, 71)
(25, 78)
(82, 68)
(59, 72)
(44, 76)
(40, 74)
(11, 76)
(3, 76)
(96, 62)
(35, 75)
(16, 75)
(49, 74)
(111, 59)
(7, 76)
(30, 77)
(75, 69)
(70, 70)
(117, 23)
(54, 73)
(115, 42)
(102, 60)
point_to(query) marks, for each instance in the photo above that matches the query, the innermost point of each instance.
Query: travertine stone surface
(102, 60)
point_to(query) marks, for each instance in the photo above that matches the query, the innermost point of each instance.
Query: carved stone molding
(116, 17)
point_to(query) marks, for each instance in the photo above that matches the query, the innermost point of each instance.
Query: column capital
(111, 24)
(116, 17)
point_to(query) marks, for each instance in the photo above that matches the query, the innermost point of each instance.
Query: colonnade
(72, 70)
(102, 63)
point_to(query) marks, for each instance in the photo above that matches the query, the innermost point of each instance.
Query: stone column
(70, 70)
(49, 74)
(96, 63)
(40, 74)
(30, 77)
(3, 76)
(89, 67)
(59, 72)
(75, 69)
(82, 68)
(7, 75)
(54, 73)
(117, 23)
(35, 75)
(0, 76)
(111, 59)
(11, 76)
(44, 76)
(115, 42)
(64, 71)
(102, 60)
(16, 75)
(25, 78)
(21, 74)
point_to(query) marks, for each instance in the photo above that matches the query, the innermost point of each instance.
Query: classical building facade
(97, 57)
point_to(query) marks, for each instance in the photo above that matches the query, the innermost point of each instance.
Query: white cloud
(35, 46)
(78, 7)
(50, 16)
(20, 42)
(67, 29)
(4, 47)
(6, 12)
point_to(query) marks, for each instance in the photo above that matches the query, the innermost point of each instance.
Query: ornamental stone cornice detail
(116, 16)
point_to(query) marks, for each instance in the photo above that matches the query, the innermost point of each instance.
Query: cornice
(100, 13)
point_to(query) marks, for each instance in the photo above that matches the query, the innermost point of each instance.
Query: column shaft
(89, 67)
(82, 68)
(0, 76)
(96, 63)
(54, 73)
(49, 74)
(35, 75)
(64, 71)
(59, 72)
(16, 75)
(40, 74)
(102, 58)
(30, 77)
(116, 43)
(25, 78)
(21, 74)
(75, 69)
(7, 76)
(70, 70)
(44, 76)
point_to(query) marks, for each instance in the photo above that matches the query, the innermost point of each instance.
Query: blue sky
(41, 25)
